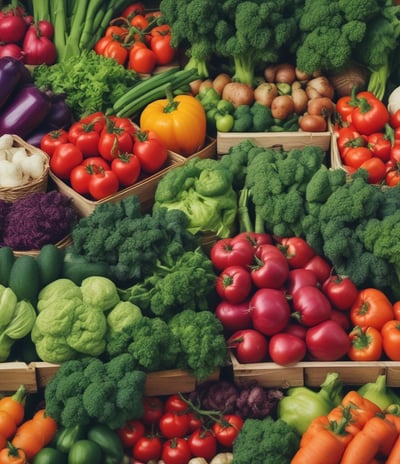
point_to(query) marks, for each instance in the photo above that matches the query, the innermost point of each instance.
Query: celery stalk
(58, 15)
(96, 9)
(79, 19)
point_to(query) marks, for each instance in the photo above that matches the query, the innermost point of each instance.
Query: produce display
(211, 305)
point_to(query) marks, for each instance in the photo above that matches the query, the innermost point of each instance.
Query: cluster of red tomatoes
(173, 431)
(368, 137)
(280, 301)
(138, 40)
(98, 155)
(21, 38)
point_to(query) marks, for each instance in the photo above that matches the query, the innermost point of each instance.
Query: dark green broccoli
(265, 441)
(242, 119)
(129, 241)
(79, 394)
(202, 342)
(262, 117)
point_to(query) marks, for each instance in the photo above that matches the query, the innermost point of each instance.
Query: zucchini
(50, 261)
(7, 259)
(24, 278)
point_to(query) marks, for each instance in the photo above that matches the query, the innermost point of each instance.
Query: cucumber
(24, 278)
(77, 268)
(50, 261)
(7, 259)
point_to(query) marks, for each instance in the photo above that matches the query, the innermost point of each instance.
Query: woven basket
(62, 244)
(34, 186)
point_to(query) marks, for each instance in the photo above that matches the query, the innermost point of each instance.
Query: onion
(394, 101)
(270, 72)
(300, 100)
(265, 93)
(345, 80)
(320, 87)
(220, 82)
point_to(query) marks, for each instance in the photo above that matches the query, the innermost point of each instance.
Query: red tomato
(320, 267)
(161, 46)
(142, 60)
(300, 278)
(286, 348)
(139, 20)
(147, 448)
(310, 306)
(130, 433)
(12, 28)
(88, 143)
(80, 178)
(103, 184)
(255, 238)
(327, 341)
(355, 156)
(202, 443)
(132, 10)
(341, 291)
(114, 140)
(65, 157)
(174, 424)
(250, 345)
(271, 268)
(231, 252)
(380, 145)
(52, 139)
(394, 120)
(376, 169)
(270, 310)
(96, 163)
(228, 429)
(391, 339)
(234, 284)
(117, 51)
(176, 451)
(234, 316)
(127, 168)
(392, 177)
(175, 403)
(102, 43)
(370, 115)
(150, 150)
(296, 329)
(296, 250)
(153, 410)
(342, 318)
(195, 421)
(343, 107)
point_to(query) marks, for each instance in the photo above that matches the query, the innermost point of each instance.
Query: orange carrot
(14, 405)
(394, 455)
(362, 409)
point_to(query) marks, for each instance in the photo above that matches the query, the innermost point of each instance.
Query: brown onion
(312, 123)
(220, 81)
(265, 93)
(300, 100)
(323, 106)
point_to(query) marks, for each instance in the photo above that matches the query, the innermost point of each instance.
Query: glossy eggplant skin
(25, 111)
(12, 74)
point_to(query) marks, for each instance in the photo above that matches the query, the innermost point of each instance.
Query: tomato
(341, 291)
(176, 451)
(294, 328)
(150, 150)
(371, 308)
(142, 60)
(355, 156)
(310, 306)
(255, 238)
(174, 424)
(139, 21)
(175, 403)
(227, 429)
(396, 310)
(380, 145)
(130, 433)
(320, 267)
(366, 344)
(342, 318)
(127, 168)
(153, 410)
(195, 421)
(117, 51)
(395, 152)
(271, 268)
(116, 32)
(37, 48)
(234, 284)
(161, 46)
(296, 250)
(231, 252)
(114, 140)
(392, 177)
(147, 448)
(391, 339)
(11, 454)
(270, 310)
(250, 345)
(52, 139)
(202, 443)
(12, 28)
(65, 157)
(97, 120)
(394, 120)
(286, 348)
(224, 122)
(88, 143)
(344, 107)
(80, 177)
(102, 43)
(376, 169)
(234, 316)
(327, 341)
(103, 184)
(300, 278)
(96, 163)
(370, 115)
(132, 10)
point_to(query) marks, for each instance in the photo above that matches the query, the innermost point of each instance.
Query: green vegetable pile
(91, 82)
(88, 390)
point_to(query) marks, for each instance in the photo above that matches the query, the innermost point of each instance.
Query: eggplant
(12, 74)
(26, 110)
(60, 115)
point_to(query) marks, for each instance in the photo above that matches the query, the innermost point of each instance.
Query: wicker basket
(36, 185)
(62, 244)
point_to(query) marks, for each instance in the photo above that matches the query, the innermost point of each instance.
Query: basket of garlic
(24, 168)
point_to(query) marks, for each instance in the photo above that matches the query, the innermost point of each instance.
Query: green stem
(245, 224)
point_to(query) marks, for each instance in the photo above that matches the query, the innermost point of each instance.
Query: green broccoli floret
(265, 441)
(242, 119)
(262, 117)
(79, 394)
(323, 183)
(202, 342)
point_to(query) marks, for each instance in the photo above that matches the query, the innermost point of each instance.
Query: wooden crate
(288, 140)
(208, 151)
(144, 189)
(157, 383)
(313, 373)
(14, 374)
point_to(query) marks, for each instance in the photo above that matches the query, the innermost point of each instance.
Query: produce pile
(261, 257)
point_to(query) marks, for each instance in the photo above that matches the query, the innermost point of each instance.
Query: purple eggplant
(60, 115)
(12, 74)
(26, 110)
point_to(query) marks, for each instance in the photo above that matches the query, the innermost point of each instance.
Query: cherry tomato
(250, 345)
(341, 291)
(150, 150)
(147, 448)
(228, 429)
(161, 46)
(231, 252)
(142, 60)
(296, 250)
(103, 184)
(174, 403)
(174, 424)
(65, 157)
(117, 51)
(131, 432)
(52, 139)
(234, 284)
(286, 348)
(176, 451)
(127, 168)
(202, 443)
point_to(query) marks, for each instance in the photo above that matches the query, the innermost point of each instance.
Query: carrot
(14, 405)
(395, 419)
(377, 437)
(340, 413)
(394, 455)
(362, 409)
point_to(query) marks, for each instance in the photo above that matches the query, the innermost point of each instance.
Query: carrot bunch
(355, 432)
